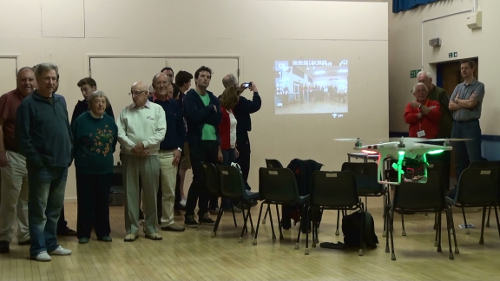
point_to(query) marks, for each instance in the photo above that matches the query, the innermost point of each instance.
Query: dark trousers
(201, 152)
(466, 152)
(62, 224)
(243, 146)
(93, 204)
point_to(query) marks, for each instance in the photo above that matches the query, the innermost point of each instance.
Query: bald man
(141, 128)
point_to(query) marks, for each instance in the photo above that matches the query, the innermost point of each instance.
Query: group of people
(161, 134)
(435, 115)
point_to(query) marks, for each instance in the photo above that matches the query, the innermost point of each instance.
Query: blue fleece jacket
(197, 115)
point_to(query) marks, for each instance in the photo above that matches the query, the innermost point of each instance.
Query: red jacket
(225, 130)
(429, 123)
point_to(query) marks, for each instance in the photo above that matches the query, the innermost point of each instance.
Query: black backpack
(351, 227)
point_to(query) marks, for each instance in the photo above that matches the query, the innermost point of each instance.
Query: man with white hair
(141, 128)
(438, 94)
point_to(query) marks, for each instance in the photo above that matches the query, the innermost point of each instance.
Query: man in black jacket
(203, 115)
(242, 112)
(87, 85)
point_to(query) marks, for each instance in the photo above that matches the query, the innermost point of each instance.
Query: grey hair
(229, 81)
(419, 84)
(97, 94)
(40, 69)
(428, 74)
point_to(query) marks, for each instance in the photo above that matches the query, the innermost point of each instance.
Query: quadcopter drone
(404, 152)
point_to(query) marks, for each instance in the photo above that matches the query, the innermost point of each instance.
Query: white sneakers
(60, 251)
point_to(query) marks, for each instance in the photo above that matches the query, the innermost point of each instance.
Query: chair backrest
(421, 196)
(211, 178)
(232, 184)
(478, 186)
(485, 164)
(334, 189)
(273, 163)
(278, 184)
(366, 177)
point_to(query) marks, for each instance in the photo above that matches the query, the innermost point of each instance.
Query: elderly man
(203, 115)
(170, 149)
(14, 174)
(44, 137)
(466, 103)
(141, 128)
(242, 112)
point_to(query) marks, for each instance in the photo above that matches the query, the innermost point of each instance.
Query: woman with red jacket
(422, 114)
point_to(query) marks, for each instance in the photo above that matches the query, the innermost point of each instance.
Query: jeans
(201, 152)
(46, 199)
(93, 204)
(466, 152)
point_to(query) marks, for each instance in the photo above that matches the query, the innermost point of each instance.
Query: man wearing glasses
(141, 128)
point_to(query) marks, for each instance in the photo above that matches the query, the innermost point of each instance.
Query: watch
(180, 149)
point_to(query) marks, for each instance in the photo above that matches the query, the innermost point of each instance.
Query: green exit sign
(414, 73)
(452, 54)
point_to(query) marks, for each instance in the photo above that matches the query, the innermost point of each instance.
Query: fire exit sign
(452, 54)
(414, 73)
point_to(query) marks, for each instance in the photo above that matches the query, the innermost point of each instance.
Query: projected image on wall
(311, 87)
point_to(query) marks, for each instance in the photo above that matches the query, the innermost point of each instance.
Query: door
(448, 77)
(220, 67)
(8, 69)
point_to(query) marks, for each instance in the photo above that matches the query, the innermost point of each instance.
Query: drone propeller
(431, 140)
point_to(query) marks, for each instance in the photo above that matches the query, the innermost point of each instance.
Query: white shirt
(232, 128)
(146, 124)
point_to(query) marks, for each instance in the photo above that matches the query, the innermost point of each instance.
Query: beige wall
(258, 32)
(405, 49)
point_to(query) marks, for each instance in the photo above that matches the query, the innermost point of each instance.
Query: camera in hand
(247, 85)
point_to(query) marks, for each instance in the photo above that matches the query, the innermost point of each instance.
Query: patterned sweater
(94, 144)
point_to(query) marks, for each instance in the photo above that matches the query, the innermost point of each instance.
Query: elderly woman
(422, 114)
(95, 137)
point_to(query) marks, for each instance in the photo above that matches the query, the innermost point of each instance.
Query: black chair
(422, 197)
(278, 186)
(334, 191)
(477, 188)
(272, 163)
(366, 175)
(482, 165)
(232, 187)
(213, 186)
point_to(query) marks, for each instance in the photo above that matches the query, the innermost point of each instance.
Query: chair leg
(448, 222)
(488, 220)
(384, 216)
(338, 222)
(453, 230)
(271, 220)
(279, 223)
(234, 216)
(265, 215)
(314, 229)
(403, 223)
(439, 249)
(217, 222)
(387, 226)
(481, 239)
(465, 222)
(360, 252)
(244, 222)
(391, 233)
(306, 251)
(258, 224)
(435, 220)
(496, 215)
(300, 231)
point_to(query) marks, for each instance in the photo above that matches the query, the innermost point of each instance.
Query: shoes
(24, 243)
(189, 221)
(4, 247)
(130, 237)
(154, 236)
(83, 240)
(183, 202)
(106, 238)
(60, 251)
(173, 227)
(206, 219)
(42, 256)
(67, 232)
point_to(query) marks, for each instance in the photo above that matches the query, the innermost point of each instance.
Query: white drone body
(399, 151)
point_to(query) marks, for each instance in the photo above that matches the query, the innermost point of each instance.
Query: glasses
(136, 93)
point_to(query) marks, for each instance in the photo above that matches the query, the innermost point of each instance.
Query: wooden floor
(194, 255)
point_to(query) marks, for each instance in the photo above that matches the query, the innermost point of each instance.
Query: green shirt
(208, 131)
(94, 144)
(445, 123)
